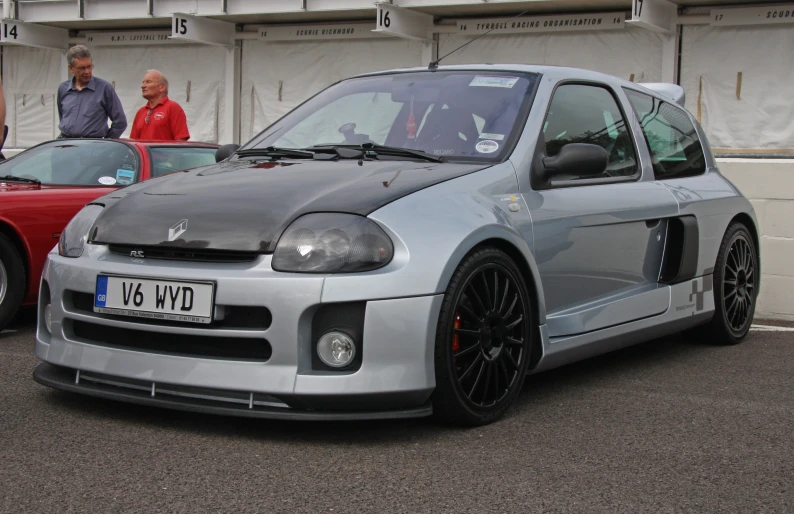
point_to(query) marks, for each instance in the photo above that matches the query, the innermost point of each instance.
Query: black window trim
(559, 184)
(683, 111)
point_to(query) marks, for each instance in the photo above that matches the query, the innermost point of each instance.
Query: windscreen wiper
(272, 151)
(371, 148)
(21, 179)
(398, 151)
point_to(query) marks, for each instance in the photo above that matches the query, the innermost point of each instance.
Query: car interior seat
(449, 129)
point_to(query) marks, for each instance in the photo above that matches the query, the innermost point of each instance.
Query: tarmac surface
(667, 426)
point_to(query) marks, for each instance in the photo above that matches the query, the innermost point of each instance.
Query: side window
(167, 160)
(672, 139)
(590, 114)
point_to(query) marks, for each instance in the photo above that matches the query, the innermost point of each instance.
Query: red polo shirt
(167, 122)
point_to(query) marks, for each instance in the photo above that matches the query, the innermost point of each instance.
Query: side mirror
(579, 159)
(225, 151)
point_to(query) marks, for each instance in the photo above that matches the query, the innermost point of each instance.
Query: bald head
(154, 86)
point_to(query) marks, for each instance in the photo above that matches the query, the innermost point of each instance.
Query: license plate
(155, 299)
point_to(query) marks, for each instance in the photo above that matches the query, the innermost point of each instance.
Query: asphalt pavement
(667, 426)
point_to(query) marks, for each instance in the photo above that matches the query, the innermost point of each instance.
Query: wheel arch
(746, 220)
(515, 248)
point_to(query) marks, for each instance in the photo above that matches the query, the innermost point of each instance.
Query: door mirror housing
(225, 151)
(580, 159)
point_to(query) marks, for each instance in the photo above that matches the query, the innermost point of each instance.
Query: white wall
(623, 53)
(769, 184)
(278, 76)
(762, 115)
(30, 85)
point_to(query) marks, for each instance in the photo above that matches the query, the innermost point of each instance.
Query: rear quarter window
(676, 150)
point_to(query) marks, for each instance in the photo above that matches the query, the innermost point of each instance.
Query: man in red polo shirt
(160, 119)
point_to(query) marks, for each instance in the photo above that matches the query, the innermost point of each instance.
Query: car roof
(168, 143)
(555, 72)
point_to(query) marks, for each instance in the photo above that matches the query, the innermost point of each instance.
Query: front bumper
(395, 378)
(210, 402)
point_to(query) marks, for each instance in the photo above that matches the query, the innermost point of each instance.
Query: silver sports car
(405, 243)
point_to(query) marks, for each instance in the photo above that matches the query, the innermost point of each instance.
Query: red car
(42, 188)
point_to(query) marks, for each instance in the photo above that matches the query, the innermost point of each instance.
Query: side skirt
(691, 304)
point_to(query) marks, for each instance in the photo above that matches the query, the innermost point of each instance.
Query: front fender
(434, 229)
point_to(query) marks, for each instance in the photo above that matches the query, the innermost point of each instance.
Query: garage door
(751, 111)
(30, 85)
(627, 52)
(277, 76)
(195, 74)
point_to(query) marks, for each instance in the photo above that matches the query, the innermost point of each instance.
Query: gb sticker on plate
(487, 146)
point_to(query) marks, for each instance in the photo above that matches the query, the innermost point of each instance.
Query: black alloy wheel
(12, 281)
(738, 283)
(483, 341)
(735, 287)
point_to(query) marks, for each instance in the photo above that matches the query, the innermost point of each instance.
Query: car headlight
(332, 243)
(75, 235)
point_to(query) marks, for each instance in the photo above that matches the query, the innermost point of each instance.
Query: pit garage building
(237, 65)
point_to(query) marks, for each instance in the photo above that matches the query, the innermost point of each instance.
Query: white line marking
(9, 331)
(770, 328)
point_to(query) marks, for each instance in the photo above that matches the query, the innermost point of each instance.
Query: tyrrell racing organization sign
(529, 24)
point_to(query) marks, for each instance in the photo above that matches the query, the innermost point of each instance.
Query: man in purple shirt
(85, 103)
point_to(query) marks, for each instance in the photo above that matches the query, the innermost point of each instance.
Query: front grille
(235, 348)
(236, 316)
(184, 254)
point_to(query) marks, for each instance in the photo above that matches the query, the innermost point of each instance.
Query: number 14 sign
(14, 32)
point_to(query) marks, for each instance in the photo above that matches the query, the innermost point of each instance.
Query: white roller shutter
(757, 114)
(30, 85)
(277, 76)
(624, 53)
(195, 74)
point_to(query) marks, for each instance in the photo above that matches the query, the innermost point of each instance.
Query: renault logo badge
(177, 230)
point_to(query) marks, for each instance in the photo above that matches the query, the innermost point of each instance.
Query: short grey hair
(77, 52)
(163, 79)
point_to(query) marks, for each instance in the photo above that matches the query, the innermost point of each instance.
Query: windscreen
(458, 115)
(168, 159)
(75, 162)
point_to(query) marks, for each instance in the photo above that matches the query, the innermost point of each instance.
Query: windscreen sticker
(486, 81)
(125, 177)
(106, 181)
(497, 137)
(128, 167)
(487, 146)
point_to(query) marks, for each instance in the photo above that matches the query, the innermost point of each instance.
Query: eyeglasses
(85, 68)
(148, 116)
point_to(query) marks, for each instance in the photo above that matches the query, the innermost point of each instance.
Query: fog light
(336, 349)
(48, 317)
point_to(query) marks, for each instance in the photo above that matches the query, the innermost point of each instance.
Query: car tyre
(483, 340)
(12, 281)
(735, 288)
